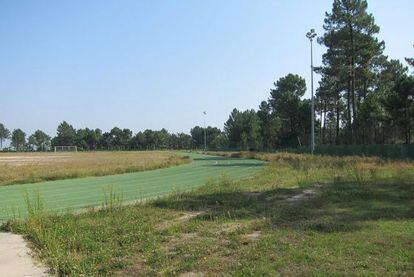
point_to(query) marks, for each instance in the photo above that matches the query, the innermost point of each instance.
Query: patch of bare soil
(251, 237)
(305, 195)
(184, 217)
(188, 215)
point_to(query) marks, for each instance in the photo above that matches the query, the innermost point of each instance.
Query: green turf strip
(79, 193)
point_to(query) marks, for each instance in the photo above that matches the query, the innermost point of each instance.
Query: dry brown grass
(17, 168)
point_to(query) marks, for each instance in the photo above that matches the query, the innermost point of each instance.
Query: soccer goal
(69, 148)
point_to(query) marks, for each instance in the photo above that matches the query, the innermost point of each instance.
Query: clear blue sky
(154, 64)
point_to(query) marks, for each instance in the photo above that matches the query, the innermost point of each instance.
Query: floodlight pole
(311, 35)
(205, 134)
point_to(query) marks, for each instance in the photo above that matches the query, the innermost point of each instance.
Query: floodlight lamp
(311, 34)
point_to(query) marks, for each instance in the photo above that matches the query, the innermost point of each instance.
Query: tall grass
(34, 204)
(113, 199)
(304, 169)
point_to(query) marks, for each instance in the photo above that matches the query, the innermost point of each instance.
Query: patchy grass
(20, 168)
(355, 216)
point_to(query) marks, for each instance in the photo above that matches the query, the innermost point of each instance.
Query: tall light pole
(311, 35)
(205, 134)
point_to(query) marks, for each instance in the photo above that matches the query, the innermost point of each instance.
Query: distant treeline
(364, 98)
(116, 139)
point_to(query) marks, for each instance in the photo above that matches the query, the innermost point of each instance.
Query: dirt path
(15, 260)
(306, 194)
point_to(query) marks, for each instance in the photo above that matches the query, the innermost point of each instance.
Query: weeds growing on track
(301, 215)
(20, 168)
(113, 199)
(34, 204)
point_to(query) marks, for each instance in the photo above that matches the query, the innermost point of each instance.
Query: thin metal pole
(205, 134)
(313, 104)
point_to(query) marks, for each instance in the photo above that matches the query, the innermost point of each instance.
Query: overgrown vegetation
(390, 151)
(301, 215)
(18, 168)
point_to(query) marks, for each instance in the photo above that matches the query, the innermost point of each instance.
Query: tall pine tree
(352, 47)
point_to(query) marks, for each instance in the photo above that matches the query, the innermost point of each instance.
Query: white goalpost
(67, 148)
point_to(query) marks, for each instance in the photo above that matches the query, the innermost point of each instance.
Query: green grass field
(72, 194)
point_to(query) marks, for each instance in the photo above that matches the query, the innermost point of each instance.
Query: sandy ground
(15, 259)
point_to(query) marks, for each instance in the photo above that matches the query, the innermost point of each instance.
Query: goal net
(66, 149)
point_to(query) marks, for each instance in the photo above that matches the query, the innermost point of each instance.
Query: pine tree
(352, 47)
(410, 61)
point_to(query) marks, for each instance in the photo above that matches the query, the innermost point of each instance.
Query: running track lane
(73, 194)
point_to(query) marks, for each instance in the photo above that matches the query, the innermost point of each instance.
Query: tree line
(116, 139)
(364, 97)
